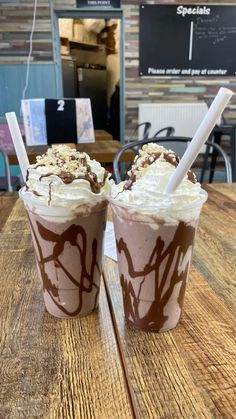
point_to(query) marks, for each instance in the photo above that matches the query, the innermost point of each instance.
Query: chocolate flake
(66, 177)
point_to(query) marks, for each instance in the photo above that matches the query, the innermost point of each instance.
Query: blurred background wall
(15, 27)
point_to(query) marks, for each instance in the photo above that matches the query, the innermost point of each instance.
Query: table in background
(102, 135)
(102, 151)
(98, 367)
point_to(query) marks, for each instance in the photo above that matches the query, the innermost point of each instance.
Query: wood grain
(190, 372)
(7, 200)
(228, 190)
(52, 368)
(208, 335)
(102, 151)
(215, 247)
(162, 385)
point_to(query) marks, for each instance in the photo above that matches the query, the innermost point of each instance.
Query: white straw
(18, 143)
(201, 135)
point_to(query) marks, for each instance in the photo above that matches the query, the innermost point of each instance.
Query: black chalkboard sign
(61, 121)
(187, 40)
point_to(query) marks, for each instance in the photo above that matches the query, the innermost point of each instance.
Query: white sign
(37, 122)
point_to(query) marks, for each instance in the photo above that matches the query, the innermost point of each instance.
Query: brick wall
(15, 26)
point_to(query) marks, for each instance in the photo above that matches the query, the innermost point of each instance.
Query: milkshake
(154, 236)
(65, 197)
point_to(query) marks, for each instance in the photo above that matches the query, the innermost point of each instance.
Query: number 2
(61, 104)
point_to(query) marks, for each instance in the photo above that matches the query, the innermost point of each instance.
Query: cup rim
(188, 206)
(73, 207)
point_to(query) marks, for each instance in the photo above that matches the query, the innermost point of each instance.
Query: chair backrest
(172, 142)
(143, 130)
(6, 168)
(169, 131)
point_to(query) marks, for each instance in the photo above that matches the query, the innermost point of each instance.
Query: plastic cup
(154, 250)
(68, 246)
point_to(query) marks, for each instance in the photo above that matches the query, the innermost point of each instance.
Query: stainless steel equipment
(69, 76)
(92, 84)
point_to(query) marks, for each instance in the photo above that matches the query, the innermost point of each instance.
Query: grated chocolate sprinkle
(69, 165)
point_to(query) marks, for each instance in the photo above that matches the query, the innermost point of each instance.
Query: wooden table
(102, 135)
(102, 151)
(98, 367)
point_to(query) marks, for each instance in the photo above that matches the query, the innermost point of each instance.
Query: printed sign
(51, 121)
(98, 3)
(6, 143)
(187, 40)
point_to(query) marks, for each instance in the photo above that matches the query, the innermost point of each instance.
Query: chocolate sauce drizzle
(154, 319)
(169, 157)
(68, 177)
(91, 177)
(69, 235)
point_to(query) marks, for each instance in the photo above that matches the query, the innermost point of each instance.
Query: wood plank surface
(51, 368)
(102, 151)
(190, 372)
(215, 247)
(102, 135)
(7, 200)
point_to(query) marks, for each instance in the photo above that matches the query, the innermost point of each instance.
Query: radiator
(184, 117)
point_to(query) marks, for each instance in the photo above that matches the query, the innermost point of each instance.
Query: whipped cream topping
(64, 176)
(148, 179)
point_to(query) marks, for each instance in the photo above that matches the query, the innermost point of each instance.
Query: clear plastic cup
(68, 246)
(154, 250)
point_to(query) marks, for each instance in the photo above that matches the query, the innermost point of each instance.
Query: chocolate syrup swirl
(76, 236)
(26, 180)
(155, 318)
(90, 177)
(169, 157)
(67, 177)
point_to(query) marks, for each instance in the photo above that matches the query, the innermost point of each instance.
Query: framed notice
(98, 4)
(187, 40)
(50, 121)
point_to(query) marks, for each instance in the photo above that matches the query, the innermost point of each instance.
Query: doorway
(89, 58)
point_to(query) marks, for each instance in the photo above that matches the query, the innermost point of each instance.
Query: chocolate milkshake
(65, 196)
(154, 236)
